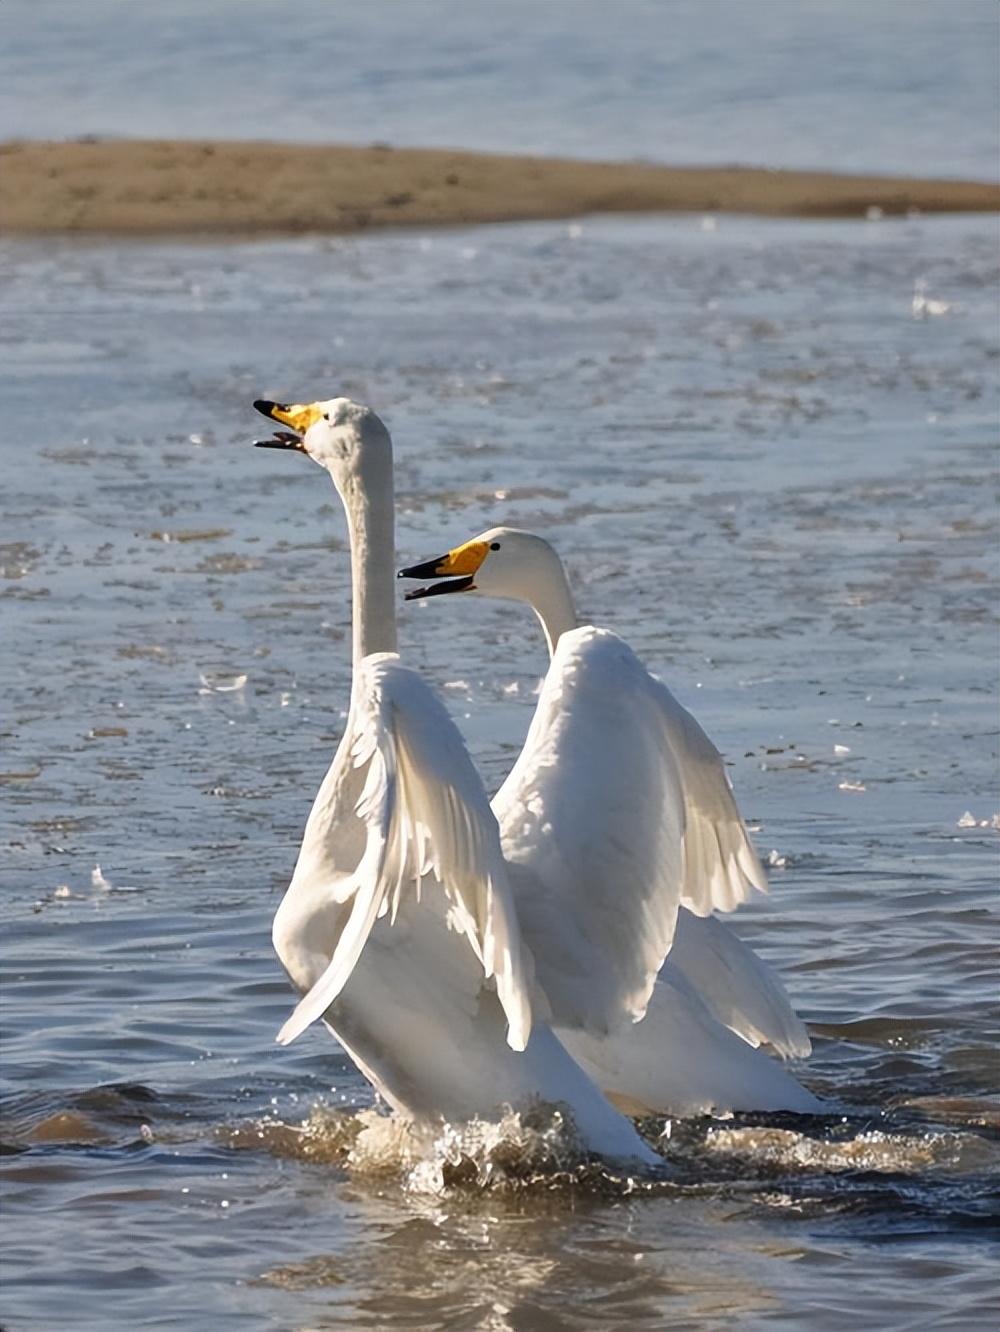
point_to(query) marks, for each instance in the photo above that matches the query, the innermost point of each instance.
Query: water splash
(534, 1149)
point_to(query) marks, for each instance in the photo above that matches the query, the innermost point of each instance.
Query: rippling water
(769, 468)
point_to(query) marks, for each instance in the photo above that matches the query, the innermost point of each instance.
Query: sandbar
(161, 187)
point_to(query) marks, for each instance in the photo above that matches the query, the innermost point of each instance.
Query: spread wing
(592, 820)
(619, 807)
(421, 811)
(721, 868)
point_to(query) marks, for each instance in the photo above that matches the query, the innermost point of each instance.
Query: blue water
(868, 85)
(769, 472)
(769, 462)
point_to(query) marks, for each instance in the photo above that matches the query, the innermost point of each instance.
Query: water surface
(907, 86)
(767, 467)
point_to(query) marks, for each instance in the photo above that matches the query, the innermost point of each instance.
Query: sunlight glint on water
(766, 470)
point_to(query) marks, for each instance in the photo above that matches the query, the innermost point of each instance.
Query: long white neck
(552, 602)
(368, 501)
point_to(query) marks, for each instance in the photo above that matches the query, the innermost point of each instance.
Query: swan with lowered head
(677, 1058)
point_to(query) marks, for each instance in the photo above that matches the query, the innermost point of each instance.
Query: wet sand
(164, 187)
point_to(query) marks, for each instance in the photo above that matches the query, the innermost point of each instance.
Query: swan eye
(326, 416)
(494, 545)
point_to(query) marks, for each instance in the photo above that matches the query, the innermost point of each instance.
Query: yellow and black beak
(299, 417)
(459, 567)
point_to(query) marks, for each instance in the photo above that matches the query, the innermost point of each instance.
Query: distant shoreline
(141, 188)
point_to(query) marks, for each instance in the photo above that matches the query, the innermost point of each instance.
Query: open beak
(299, 417)
(459, 567)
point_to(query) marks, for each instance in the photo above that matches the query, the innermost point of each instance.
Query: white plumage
(606, 857)
(409, 927)
(740, 989)
(424, 813)
(620, 824)
(399, 928)
(619, 805)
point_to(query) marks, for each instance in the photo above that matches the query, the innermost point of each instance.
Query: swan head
(345, 437)
(501, 562)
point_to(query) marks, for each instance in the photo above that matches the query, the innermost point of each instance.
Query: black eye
(326, 416)
(494, 545)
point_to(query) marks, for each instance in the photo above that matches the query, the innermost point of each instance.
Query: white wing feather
(424, 811)
(592, 822)
(621, 806)
(739, 988)
(721, 868)
(679, 1060)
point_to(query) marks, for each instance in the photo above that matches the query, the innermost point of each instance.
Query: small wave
(113, 1114)
(904, 1033)
(966, 1111)
(870, 1151)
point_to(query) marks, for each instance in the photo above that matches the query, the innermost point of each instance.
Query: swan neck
(552, 602)
(368, 500)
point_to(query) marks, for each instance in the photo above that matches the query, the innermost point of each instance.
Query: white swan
(596, 712)
(399, 909)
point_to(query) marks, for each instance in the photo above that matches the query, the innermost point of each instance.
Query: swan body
(619, 818)
(399, 928)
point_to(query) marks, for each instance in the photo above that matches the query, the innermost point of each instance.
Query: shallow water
(864, 85)
(769, 469)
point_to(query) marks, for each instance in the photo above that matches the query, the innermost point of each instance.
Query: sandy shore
(159, 187)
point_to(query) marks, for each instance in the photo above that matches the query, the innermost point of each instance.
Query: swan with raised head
(683, 1055)
(398, 928)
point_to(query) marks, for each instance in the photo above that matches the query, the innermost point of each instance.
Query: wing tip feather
(289, 1031)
